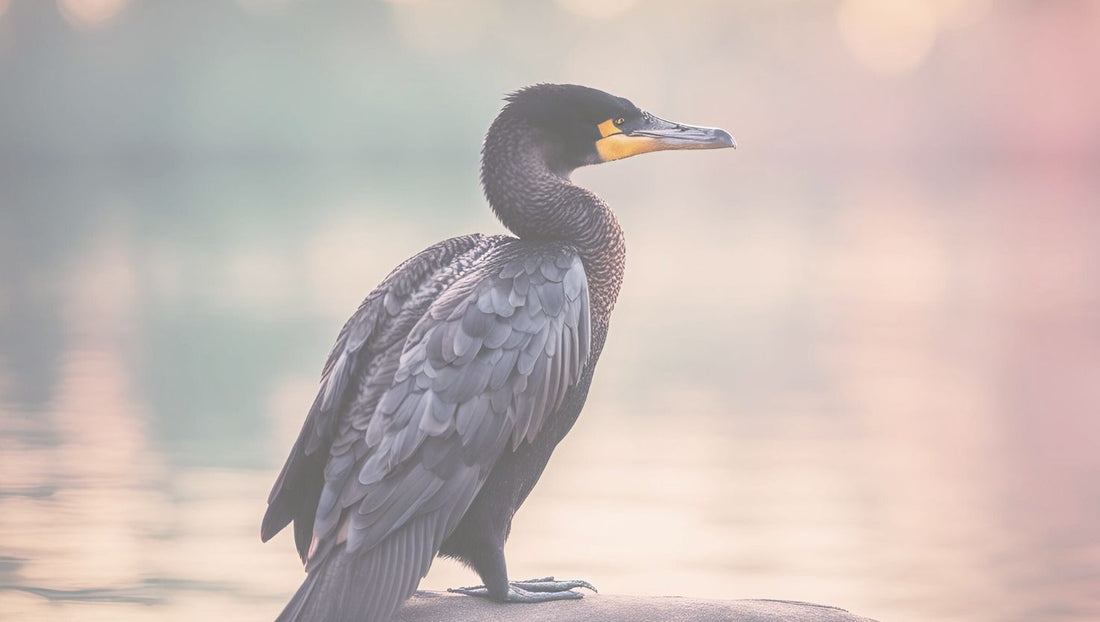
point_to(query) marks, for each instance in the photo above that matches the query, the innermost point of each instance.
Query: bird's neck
(536, 202)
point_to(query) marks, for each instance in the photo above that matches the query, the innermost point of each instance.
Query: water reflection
(884, 402)
(856, 362)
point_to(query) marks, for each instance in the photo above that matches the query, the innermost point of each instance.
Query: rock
(444, 607)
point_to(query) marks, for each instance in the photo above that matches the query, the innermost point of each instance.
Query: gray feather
(472, 367)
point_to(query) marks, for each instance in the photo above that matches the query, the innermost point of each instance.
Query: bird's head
(576, 126)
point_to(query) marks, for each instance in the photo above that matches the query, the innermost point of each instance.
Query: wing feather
(467, 398)
(482, 367)
(359, 369)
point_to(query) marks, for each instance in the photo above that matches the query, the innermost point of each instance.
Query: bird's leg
(497, 587)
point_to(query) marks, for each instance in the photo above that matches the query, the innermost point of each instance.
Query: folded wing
(493, 357)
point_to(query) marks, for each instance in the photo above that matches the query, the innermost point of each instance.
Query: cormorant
(450, 386)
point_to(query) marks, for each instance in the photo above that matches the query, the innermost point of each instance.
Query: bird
(450, 386)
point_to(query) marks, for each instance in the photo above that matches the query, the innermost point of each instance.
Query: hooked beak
(656, 134)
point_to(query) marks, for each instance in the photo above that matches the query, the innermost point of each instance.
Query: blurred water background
(856, 361)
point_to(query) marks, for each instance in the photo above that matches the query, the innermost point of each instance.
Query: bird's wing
(357, 372)
(494, 355)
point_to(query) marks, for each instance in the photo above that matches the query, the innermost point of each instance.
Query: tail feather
(367, 586)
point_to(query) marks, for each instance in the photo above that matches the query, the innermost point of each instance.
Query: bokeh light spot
(443, 29)
(89, 13)
(597, 9)
(960, 13)
(889, 36)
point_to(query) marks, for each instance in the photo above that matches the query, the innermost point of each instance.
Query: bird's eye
(620, 121)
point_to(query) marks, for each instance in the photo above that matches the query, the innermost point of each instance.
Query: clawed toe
(533, 590)
(549, 584)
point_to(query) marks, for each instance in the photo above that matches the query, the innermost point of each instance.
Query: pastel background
(856, 361)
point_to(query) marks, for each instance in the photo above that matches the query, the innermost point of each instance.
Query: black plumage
(449, 388)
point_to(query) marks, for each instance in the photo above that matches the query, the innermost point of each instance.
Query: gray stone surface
(444, 607)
